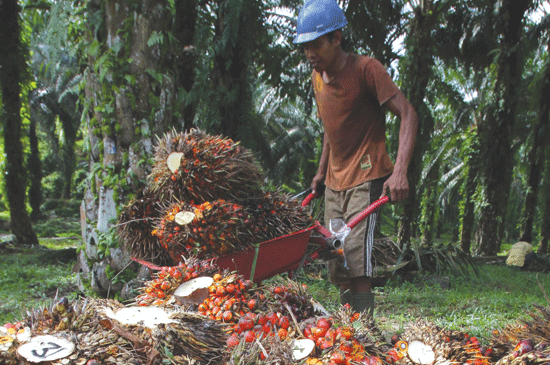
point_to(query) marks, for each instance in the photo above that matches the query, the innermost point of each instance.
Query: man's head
(322, 51)
(317, 18)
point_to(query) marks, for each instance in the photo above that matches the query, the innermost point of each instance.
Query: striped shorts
(359, 242)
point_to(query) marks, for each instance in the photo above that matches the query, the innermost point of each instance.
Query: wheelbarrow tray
(269, 258)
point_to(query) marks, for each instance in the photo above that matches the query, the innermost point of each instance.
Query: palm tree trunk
(184, 31)
(545, 207)
(535, 156)
(419, 73)
(469, 188)
(11, 61)
(35, 170)
(496, 129)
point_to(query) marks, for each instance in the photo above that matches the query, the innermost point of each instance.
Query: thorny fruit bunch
(158, 290)
(337, 344)
(217, 228)
(211, 167)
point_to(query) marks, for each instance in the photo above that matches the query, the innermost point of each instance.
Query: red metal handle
(308, 199)
(369, 210)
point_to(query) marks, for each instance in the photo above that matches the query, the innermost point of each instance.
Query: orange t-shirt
(350, 107)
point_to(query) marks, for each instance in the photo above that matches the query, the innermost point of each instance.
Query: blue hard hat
(318, 17)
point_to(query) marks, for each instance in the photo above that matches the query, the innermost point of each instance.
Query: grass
(29, 281)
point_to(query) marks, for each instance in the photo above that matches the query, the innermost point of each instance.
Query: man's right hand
(317, 184)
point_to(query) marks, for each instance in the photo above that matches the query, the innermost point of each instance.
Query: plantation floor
(499, 296)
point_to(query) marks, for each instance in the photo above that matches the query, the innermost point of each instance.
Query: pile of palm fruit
(236, 321)
(204, 198)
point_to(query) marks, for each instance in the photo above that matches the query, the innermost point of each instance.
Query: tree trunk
(184, 31)
(468, 190)
(536, 158)
(419, 72)
(429, 209)
(35, 170)
(11, 62)
(545, 207)
(130, 105)
(496, 129)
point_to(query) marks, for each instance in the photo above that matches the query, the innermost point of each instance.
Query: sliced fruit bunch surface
(198, 167)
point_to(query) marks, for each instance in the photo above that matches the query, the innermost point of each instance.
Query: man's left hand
(397, 186)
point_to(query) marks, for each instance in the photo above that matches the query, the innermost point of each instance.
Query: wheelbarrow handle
(308, 199)
(369, 210)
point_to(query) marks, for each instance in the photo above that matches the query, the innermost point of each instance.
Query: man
(352, 93)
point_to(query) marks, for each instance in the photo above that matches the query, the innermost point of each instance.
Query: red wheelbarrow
(287, 253)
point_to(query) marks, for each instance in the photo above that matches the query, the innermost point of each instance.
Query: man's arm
(398, 183)
(319, 178)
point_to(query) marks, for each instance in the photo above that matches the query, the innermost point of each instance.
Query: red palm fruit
(337, 358)
(345, 347)
(237, 329)
(227, 316)
(262, 319)
(355, 317)
(278, 290)
(318, 332)
(165, 285)
(246, 285)
(332, 333)
(232, 340)
(231, 288)
(307, 331)
(252, 304)
(284, 322)
(251, 315)
(325, 344)
(245, 324)
(266, 328)
(523, 347)
(249, 336)
(283, 333)
(273, 317)
(324, 323)
(220, 291)
(394, 339)
(345, 332)
(318, 341)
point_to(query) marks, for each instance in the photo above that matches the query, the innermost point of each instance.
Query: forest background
(88, 86)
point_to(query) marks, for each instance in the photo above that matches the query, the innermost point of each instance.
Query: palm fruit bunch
(135, 223)
(12, 335)
(426, 343)
(197, 167)
(166, 279)
(347, 338)
(86, 325)
(107, 332)
(207, 230)
(191, 339)
(276, 215)
(526, 342)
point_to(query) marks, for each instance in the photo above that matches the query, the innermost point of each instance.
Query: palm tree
(12, 69)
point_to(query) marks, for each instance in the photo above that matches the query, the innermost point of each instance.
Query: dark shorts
(359, 242)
